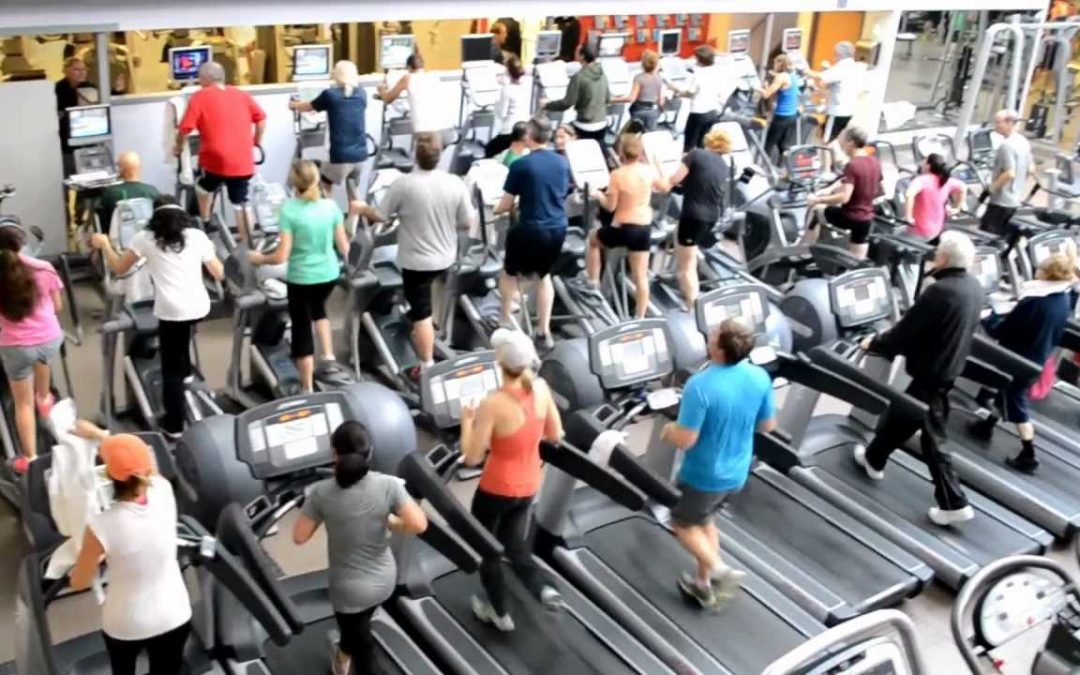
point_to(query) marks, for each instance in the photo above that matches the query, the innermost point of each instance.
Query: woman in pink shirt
(927, 197)
(30, 335)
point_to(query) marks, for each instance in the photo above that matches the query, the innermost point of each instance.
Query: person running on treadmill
(176, 251)
(1012, 162)
(934, 337)
(1032, 329)
(626, 218)
(540, 182)
(129, 166)
(361, 509)
(511, 422)
(849, 205)
(312, 226)
(224, 117)
(588, 94)
(431, 206)
(928, 196)
(30, 336)
(345, 105)
(722, 406)
(147, 607)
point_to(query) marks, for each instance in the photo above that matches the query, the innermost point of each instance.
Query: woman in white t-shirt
(704, 93)
(513, 107)
(147, 607)
(176, 251)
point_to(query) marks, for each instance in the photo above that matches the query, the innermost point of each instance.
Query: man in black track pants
(935, 339)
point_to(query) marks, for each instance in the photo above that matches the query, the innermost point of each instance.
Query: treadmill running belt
(542, 642)
(309, 652)
(1061, 408)
(745, 636)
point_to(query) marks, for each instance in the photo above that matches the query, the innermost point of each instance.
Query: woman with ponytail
(511, 422)
(30, 335)
(311, 227)
(361, 508)
(928, 196)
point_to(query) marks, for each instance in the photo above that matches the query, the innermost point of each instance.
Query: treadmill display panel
(293, 439)
(1043, 247)
(1016, 604)
(452, 385)
(860, 298)
(629, 354)
(987, 269)
(611, 45)
(746, 305)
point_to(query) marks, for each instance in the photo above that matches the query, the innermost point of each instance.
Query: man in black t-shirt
(71, 92)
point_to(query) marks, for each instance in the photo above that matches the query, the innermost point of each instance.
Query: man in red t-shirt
(223, 116)
(849, 205)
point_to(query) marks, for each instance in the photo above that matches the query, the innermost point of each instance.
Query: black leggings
(697, 125)
(174, 346)
(779, 136)
(507, 518)
(307, 304)
(356, 639)
(165, 652)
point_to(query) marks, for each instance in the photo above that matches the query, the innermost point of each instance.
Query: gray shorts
(19, 361)
(695, 507)
(337, 173)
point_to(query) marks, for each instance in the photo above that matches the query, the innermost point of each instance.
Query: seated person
(129, 166)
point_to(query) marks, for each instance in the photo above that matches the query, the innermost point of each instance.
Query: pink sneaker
(20, 464)
(45, 405)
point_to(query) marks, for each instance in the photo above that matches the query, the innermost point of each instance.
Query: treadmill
(626, 559)
(577, 638)
(855, 303)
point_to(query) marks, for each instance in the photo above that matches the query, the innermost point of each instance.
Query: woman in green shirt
(311, 226)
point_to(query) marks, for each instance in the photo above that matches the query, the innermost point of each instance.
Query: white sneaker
(550, 598)
(729, 582)
(860, 459)
(338, 666)
(945, 517)
(486, 613)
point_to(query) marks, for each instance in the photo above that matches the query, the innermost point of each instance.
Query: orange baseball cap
(125, 456)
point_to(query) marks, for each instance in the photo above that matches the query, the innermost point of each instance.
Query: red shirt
(863, 173)
(223, 118)
(513, 467)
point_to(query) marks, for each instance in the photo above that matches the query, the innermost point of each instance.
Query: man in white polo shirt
(842, 81)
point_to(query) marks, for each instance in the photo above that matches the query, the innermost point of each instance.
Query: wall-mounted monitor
(670, 41)
(89, 125)
(738, 41)
(184, 62)
(479, 47)
(311, 62)
(548, 44)
(611, 45)
(792, 40)
(395, 50)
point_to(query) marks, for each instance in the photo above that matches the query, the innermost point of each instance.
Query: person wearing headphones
(361, 510)
(507, 427)
(147, 607)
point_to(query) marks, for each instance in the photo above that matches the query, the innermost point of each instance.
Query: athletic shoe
(544, 342)
(1023, 463)
(727, 584)
(337, 666)
(20, 464)
(860, 459)
(704, 594)
(44, 405)
(550, 598)
(486, 613)
(945, 517)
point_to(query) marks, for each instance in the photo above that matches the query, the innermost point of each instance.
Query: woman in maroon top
(849, 205)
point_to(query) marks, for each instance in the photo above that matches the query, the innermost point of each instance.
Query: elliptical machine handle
(260, 155)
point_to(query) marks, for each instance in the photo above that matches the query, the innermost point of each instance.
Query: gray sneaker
(338, 666)
(704, 594)
(483, 611)
(551, 599)
(727, 583)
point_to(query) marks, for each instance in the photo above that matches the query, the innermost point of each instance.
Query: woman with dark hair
(704, 92)
(30, 335)
(513, 107)
(176, 251)
(361, 509)
(927, 198)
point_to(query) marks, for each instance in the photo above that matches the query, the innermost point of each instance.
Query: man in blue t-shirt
(540, 182)
(722, 406)
(345, 105)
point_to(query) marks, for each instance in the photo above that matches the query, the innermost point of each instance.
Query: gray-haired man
(841, 80)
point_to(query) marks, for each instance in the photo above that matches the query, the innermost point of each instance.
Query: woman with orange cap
(147, 605)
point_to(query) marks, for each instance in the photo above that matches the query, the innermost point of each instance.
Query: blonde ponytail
(523, 376)
(304, 177)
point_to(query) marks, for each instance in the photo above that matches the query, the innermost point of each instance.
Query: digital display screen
(862, 299)
(395, 51)
(981, 141)
(738, 41)
(89, 122)
(792, 40)
(477, 48)
(987, 270)
(297, 432)
(611, 46)
(631, 355)
(184, 62)
(548, 43)
(466, 386)
(311, 61)
(669, 42)
(1044, 250)
(747, 310)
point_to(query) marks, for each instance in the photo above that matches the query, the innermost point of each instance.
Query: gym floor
(69, 617)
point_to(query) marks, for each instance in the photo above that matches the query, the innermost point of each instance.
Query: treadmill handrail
(577, 464)
(1070, 339)
(643, 478)
(421, 479)
(859, 629)
(984, 374)
(899, 402)
(820, 377)
(1020, 369)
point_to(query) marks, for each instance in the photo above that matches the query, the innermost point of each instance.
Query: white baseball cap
(513, 349)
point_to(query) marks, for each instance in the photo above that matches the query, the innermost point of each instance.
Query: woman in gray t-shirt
(361, 509)
(646, 97)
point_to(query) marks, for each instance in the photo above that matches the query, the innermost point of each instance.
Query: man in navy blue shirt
(345, 104)
(540, 182)
(722, 406)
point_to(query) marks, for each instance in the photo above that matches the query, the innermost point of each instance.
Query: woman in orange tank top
(511, 422)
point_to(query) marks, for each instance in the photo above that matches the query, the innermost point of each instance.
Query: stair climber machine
(577, 636)
(675, 74)
(550, 76)
(840, 312)
(626, 560)
(394, 51)
(480, 92)
(245, 473)
(311, 72)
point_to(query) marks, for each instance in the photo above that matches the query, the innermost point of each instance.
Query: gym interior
(922, 80)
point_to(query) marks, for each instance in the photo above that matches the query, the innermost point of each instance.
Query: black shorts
(692, 232)
(695, 506)
(839, 123)
(635, 238)
(531, 251)
(235, 186)
(838, 217)
(996, 220)
(417, 285)
(307, 304)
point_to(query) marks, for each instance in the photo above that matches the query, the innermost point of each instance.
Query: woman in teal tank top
(784, 90)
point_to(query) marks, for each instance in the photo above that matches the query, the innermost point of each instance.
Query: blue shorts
(19, 361)
(1014, 404)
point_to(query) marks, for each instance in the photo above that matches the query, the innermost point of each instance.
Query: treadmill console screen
(311, 62)
(806, 162)
(987, 268)
(630, 353)
(738, 41)
(669, 42)
(860, 298)
(745, 304)
(476, 48)
(395, 50)
(451, 385)
(294, 437)
(611, 45)
(548, 44)
(982, 142)
(1044, 246)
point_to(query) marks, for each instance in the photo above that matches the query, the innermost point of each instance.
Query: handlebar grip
(250, 300)
(260, 155)
(120, 324)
